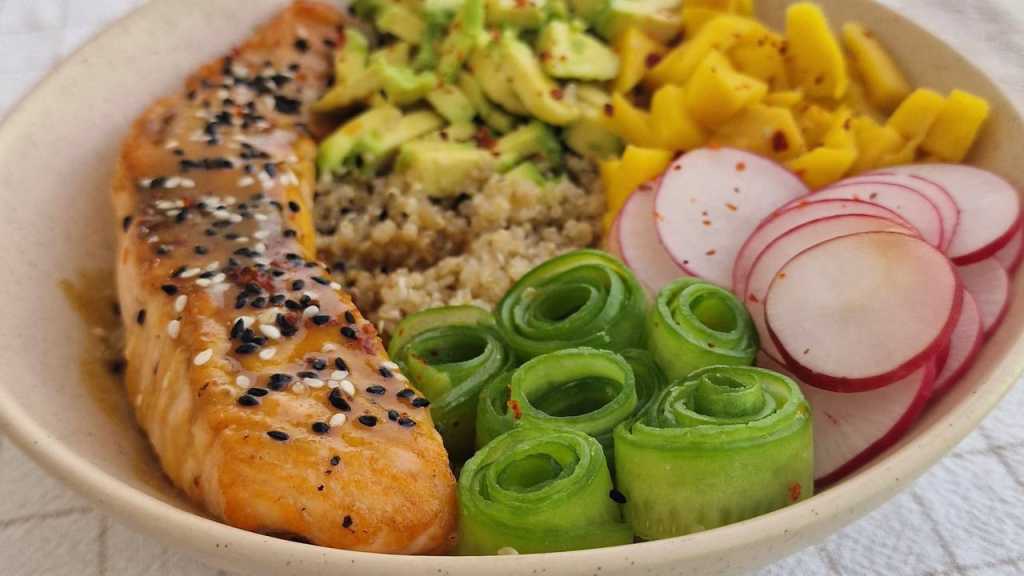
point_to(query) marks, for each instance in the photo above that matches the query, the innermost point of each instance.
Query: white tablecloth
(964, 517)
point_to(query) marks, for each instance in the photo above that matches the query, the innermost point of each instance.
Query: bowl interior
(57, 151)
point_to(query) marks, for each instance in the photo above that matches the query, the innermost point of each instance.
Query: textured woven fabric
(943, 525)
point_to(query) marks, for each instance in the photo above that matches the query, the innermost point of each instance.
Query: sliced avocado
(522, 14)
(590, 136)
(495, 119)
(450, 102)
(366, 9)
(333, 152)
(495, 78)
(442, 168)
(401, 83)
(449, 6)
(590, 10)
(396, 54)
(659, 19)
(353, 80)
(541, 95)
(534, 140)
(463, 37)
(401, 21)
(568, 52)
(458, 132)
(376, 148)
(435, 25)
(529, 172)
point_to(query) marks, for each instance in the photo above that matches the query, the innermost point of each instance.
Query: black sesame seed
(248, 335)
(406, 393)
(270, 168)
(294, 206)
(376, 390)
(178, 271)
(259, 302)
(247, 348)
(420, 402)
(246, 400)
(340, 364)
(237, 328)
(258, 392)
(169, 289)
(157, 182)
(141, 317)
(321, 427)
(231, 236)
(348, 332)
(210, 232)
(298, 285)
(346, 522)
(350, 317)
(321, 319)
(208, 274)
(277, 299)
(240, 302)
(292, 305)
(286, 105)
(321, 280)
(393, 415)
(292, 256)
(406, 422)
(384, 371)
(617, 496)
(181, 216)
(163, 250)
(335, 460)
(126, 223)
(318, 363)
(302, 45)
(337, 401)
(368, 420)
(278, 435)
(289, 233)
(306, 374)
(278, 381)
(305, 300)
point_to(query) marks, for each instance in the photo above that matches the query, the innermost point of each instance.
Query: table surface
(964, 517)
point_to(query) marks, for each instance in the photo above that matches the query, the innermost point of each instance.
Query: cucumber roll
(694, 324)
(723, 445)
(538, 490)
(493, 417)
(583, 298)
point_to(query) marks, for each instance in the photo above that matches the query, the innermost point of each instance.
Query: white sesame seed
(314, 383)
(235, 218)
(339, 374)
(270, 331)
(191, 272)
(336, 420)
(261, 234)
(390, 365)
(180, 302)
(172, 213)
(246, 181)
(267, 353)
(218, 278)
(171, 144)
(347, 387)
(260, 217)
(202, 282)
(309, 295)
(153, 239)
(188, 183)
(246, 321)
(259, 248)
(242, 380)
(269, 315)
(298, 388)
(172, 182)
(310, 311)
(220, 288)
(335, 286)
(221, 214)
(332, 384)
(242, 239)
(223, 93)
(203, 357)
(213, 266)
(173, 328)
(329, 347)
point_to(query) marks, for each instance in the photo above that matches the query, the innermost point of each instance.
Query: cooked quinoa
(400, 251)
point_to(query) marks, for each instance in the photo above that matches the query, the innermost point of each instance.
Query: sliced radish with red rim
(859, 312)
(1010, 255)
(789, 218)
(639, 244)
(989, 283)
(709, 202)
(785, 247)
(990, 208)
(964, 344)
(948, 210)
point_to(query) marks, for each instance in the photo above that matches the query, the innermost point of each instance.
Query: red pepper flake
(522, 3)
(873, 195)
(609, 110)
(779, 141)
(711, 344)
(782, 275)
(484, 139)
(557, 93)
(545, 55)
(676, 167)
(652, 60)
(706, 222)
(741, 166)
(819, 80)
(658, 216)
(753, 298)
(736, 190)
(711, 252)
(714, 146)
(730, 206)
(807, 351)
(794, 492)
(517, 411)
(846, 124)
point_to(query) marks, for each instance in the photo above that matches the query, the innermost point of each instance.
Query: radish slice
(1010, 255)
(709, 202)
(989, 208)
(851, 429)
(989, 283)
(785, 220)
(948, 210)
(911, 205)
(638, 240)
(788, 245)
(860, 312)
(964, 344)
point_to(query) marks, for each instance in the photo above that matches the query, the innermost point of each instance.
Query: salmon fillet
(266, 395)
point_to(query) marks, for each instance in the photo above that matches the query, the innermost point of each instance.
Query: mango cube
(815, 122)
(672, 123)
(720, 34)
(766, 130)
(815, 60)
(874, 142)
(621, 177)
(957, 126)
(915, 116)
(784, 98)
(761, 57)
(636, 50)
(716, 92)
(631, 123)
(822, 166)
(886, 85)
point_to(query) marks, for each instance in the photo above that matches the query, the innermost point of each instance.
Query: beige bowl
(56, 154)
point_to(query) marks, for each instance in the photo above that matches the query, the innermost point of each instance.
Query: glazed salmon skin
(267, 397)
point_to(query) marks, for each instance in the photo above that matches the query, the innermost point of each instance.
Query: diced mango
(915, 116)
(721, 34)
(874, 141)
(621, 177)
(822, 166)
(957, 126)
(766, 130)
(631, 123)
(674, 127)
(716, 92)
(761, 57)
(886, 85)
(815, 122)
(815, 60)
(741, 7)
(840, 134)
(695, 17)
(857, 97)
(784, 99)
(636, 51)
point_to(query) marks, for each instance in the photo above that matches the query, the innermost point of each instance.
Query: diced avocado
(495, 119)
(353, 80)
(462, 39)
(495, 78)
(592, 139)
(458, 132)
(569, 52)
(522, 14)
(366, 9)
(400, 21)
(442, 168)
(659, 19)
(435, 25)
(450, 102)
(401, 83)
(541, 95)
(590, 10)
(375, 149)
(333, 152)
(529, 172)
(440, 6)
(535, 140)
(396, 54)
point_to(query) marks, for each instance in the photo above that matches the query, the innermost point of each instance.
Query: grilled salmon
(266, 395)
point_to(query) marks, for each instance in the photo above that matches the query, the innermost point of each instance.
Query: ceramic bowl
(57, 152)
